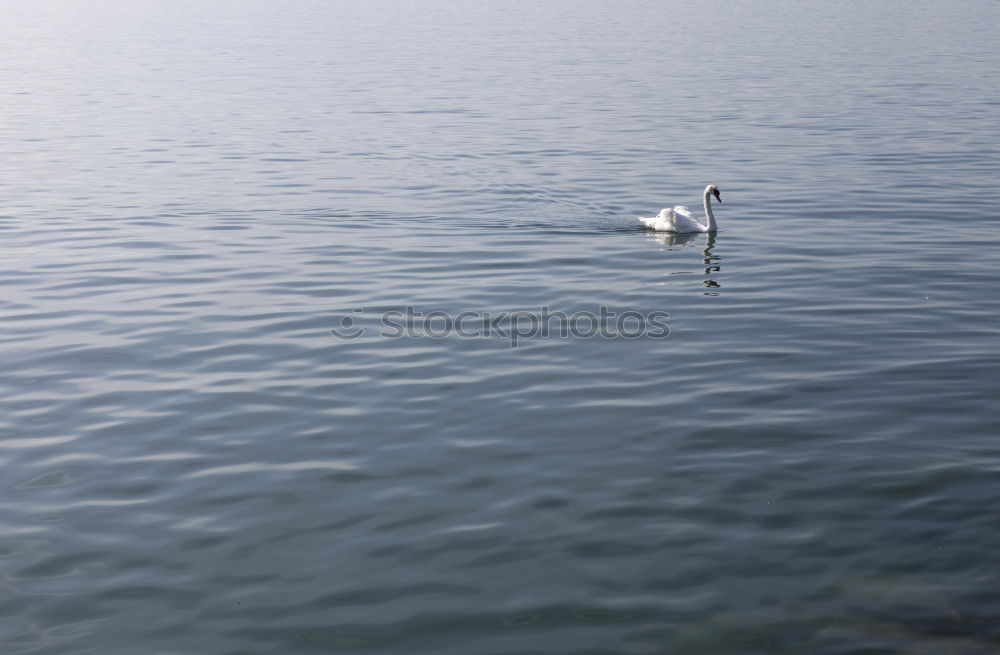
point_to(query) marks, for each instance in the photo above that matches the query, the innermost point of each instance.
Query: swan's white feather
(679, 219)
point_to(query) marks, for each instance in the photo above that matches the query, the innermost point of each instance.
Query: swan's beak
(717, 195)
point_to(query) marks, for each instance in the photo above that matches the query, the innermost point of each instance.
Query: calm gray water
(194, 194)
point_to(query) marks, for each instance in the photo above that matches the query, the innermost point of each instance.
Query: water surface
(193, 195)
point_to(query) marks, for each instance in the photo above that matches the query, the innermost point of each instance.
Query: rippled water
(193, 195)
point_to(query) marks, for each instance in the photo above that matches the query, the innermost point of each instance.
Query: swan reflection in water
(709, 259)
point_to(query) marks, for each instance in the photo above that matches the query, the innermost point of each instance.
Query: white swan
(681, 220)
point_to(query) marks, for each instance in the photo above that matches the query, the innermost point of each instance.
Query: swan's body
(681, 220)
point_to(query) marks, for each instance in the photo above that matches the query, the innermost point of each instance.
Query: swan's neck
(709, 216)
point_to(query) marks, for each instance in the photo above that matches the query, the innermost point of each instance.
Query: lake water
(796, 453)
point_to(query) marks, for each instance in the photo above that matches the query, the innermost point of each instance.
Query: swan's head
(713, 190)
